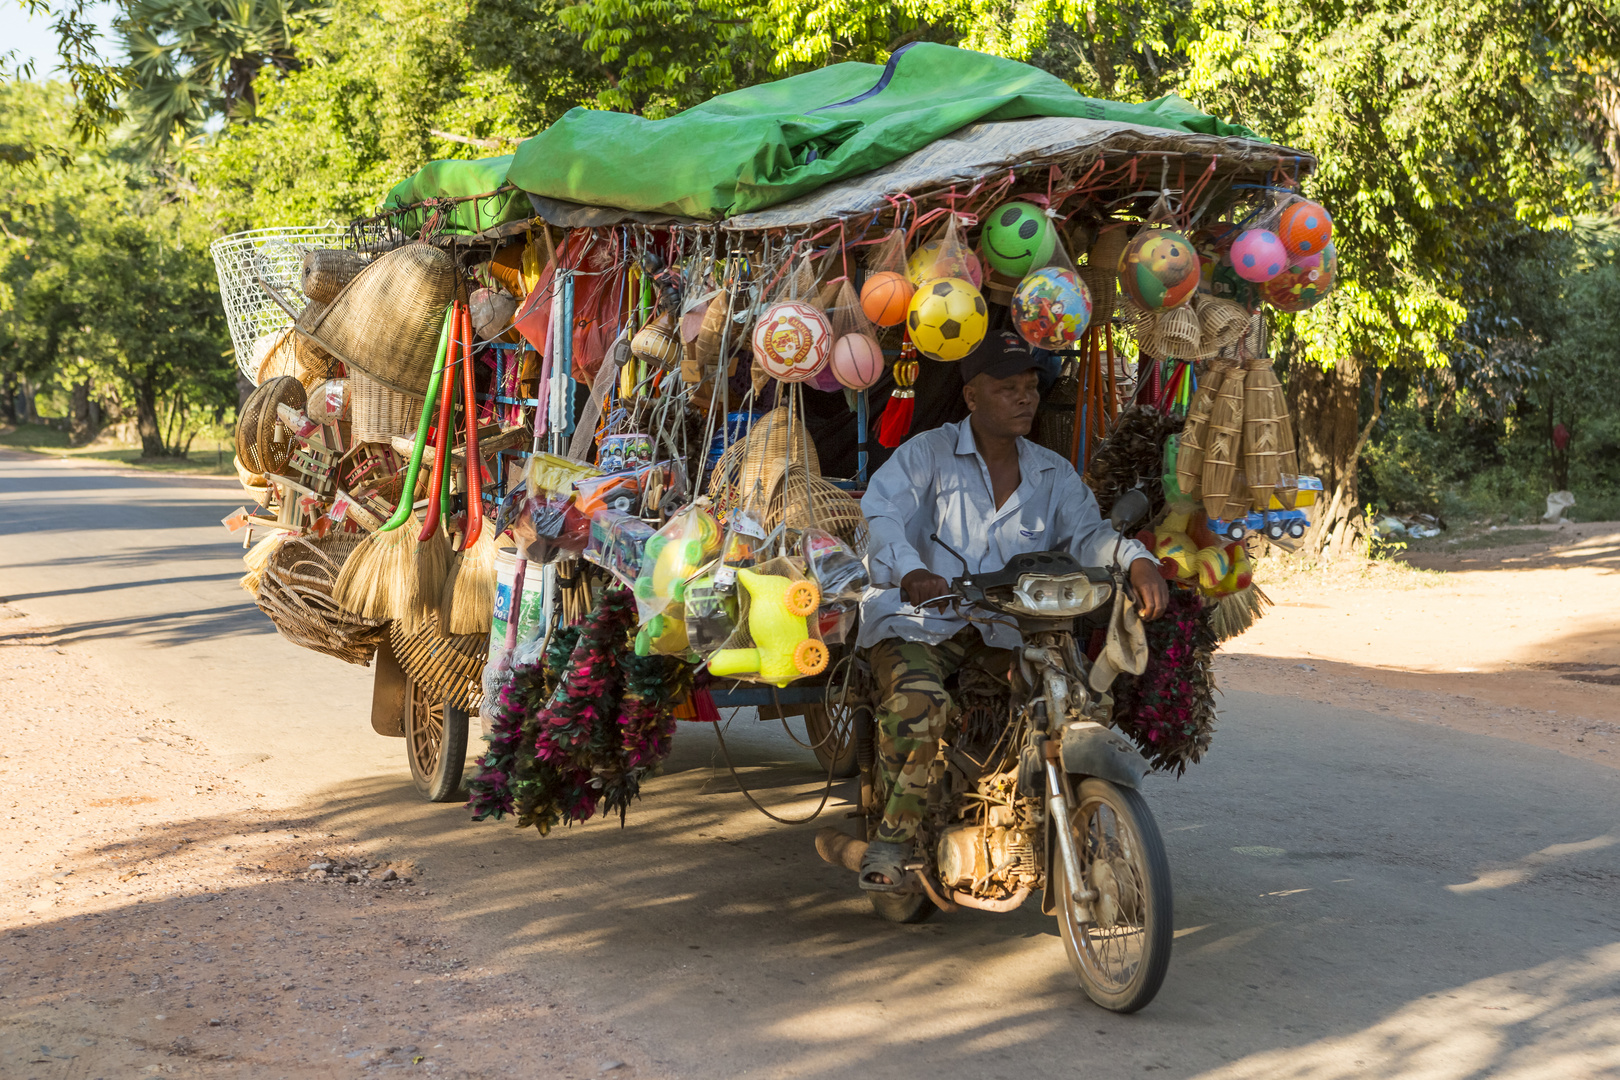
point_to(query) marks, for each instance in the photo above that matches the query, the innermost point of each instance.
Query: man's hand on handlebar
(1152, 594)
(922, 587)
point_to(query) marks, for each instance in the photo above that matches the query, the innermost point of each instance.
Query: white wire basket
(277, 255)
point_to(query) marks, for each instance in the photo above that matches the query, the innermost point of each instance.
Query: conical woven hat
(386, 321)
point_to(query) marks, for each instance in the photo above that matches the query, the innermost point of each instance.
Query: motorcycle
(1042, 796)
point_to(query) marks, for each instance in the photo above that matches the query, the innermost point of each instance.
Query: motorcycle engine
(977, 856)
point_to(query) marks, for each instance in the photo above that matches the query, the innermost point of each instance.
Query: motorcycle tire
(902, 907)
(1122, 966)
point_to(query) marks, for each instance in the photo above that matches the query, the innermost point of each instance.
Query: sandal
(884, 859)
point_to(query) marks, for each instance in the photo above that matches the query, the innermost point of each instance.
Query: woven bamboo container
(658, 342)
(386, 321)
(281, 358)
(1224, 450)
(272, 443)
(747, 473)
(1263, 413)
(1101, 272)
(1195, 434)
(296, 593)
(1179, 333)
(327, 270)
(378, 413)
(1221, 323)
(706, 348)
(445, 666)
(836, 510)
(1268, 447)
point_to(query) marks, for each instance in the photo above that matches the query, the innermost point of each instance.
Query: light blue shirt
(937, 483)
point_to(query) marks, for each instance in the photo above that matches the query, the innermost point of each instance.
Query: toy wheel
(810, 657)
(1275, 530)
(622, 503)
(802, 598)
(1234, 531)
(1296, 529)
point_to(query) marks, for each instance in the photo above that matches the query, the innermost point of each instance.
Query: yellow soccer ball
(947, 319)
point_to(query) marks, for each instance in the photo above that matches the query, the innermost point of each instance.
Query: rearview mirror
(1130, 512)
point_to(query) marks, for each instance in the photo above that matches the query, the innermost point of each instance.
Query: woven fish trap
(748, 471)
(1101, 272)
(1223, 450)
(386, 321)
(327, 270)
(315, 364)
(836, 510)
(379, 413)
(446, 666)
(272, 441)
(296, 593)
(1221, 322)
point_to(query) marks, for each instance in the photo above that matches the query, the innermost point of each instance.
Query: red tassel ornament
(895, 424)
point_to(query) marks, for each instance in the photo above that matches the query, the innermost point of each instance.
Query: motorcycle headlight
(1060, 597)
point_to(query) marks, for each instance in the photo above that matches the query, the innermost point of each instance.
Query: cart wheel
(1296, 529)
(831, 736)
(435, 743)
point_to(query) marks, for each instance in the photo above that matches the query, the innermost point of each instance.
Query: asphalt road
(1355, 895)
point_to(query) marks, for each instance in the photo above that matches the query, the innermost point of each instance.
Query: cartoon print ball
(1305, 282)
(1052, 308)
(1304, 228)
(948, 319)
(885, 298)
(792, 341)
(1159, 269)
(920, 267)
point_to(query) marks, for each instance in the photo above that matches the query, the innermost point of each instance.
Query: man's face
(1004, 407)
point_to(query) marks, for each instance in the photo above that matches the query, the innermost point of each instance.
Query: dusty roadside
(1519, 642)
(160, 919)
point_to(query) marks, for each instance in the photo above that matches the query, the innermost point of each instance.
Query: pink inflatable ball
(857, 361)
(1258, 256)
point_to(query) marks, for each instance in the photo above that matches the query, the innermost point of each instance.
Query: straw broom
(467, 598)
(378, 580)
(1265, 444)
(433, 554)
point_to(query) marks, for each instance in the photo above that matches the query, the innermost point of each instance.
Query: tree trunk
(79, 428)
(146, 420)
(8, 388)
(1325, 404)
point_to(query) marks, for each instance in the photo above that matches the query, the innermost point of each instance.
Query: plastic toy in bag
(834, 568)
(782, 640)
(710, 613)
(618, 544)
(672, 555)
(620, 452)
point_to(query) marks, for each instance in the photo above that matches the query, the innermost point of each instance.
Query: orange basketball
(886, 297)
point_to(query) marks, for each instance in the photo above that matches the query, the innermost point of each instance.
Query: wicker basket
(386, 321)
(296, 593)
(748, 472)
(272, 444)
(327, 270)
(446, 666)
(378, 413)
(836, 510)
(1054, 416)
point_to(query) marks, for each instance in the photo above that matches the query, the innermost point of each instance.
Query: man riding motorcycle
(990, 494)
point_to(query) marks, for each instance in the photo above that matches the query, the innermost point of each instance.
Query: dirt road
(1370, 879)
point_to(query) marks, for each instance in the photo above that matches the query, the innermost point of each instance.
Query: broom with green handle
(468, 599)
(433, 552)
(378, 580)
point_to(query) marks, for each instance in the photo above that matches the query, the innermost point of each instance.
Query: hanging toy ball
(1016, 237)
(920, 267)
(1159, 269)
(1052, 308)
(857, 361)
(792, 341)
(1258, 256)
(1304, 228)
(948, 319)
(885, 297)
(825, 381)
(1305, 282)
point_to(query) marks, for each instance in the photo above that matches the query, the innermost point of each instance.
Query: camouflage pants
(914, 709)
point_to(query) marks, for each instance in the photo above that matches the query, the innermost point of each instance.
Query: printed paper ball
(857, 361)
(1016, 237)
(920, 267)
(1258, 256)
(1158, 269)
(1305, 282)
(1304, 228)
(1052, 308)
(885, 297)
(947, 319)
(792, 341)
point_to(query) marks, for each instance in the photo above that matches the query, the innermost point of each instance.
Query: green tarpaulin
(753, 148)
(454, 179)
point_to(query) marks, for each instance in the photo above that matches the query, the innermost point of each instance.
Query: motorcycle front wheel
(1119, 943)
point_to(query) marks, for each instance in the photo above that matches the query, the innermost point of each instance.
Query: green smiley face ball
(1018, 236)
